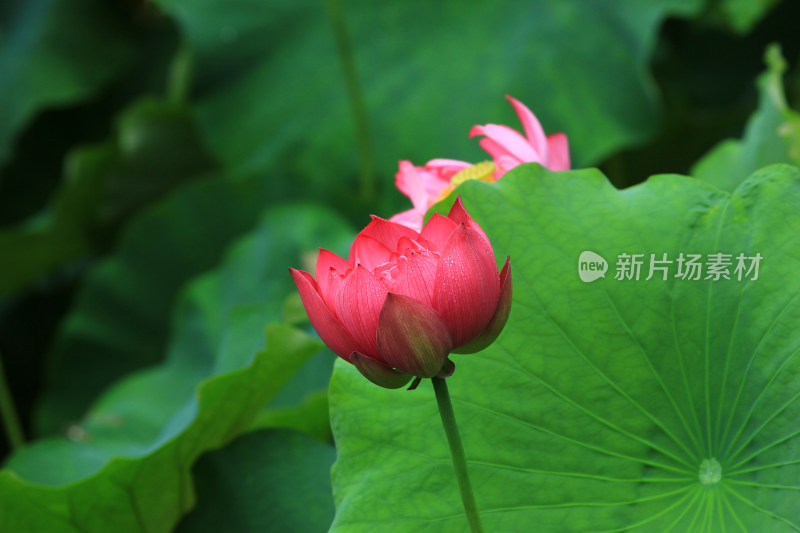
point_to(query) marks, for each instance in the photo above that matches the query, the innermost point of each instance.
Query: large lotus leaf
(155, 421)
(120, 320)
(270, 87)
(268, 481)
(772, 134)
(53, 52)
(613, 405)
(128, 467)
(101, 340)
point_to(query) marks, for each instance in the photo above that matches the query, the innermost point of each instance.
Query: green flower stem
(457, 453)
(357, 106)
(9, 414)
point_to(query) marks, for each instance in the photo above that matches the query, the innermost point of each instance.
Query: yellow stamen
(483, 171)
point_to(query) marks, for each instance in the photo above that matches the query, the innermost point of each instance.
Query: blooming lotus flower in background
(432, 183)
(509, 148)
(429, 184)
(423, 185)
(404, 300)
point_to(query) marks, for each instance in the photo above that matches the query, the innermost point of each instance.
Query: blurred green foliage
(54, 52)
(154, 150)
(233, 496)
(126, 468)
(772, 135)
(162, 163)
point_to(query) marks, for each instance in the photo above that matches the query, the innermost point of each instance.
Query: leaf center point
(710, 472)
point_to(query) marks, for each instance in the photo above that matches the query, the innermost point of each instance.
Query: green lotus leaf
(641, 405)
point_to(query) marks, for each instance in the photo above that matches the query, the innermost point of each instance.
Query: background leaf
(155, 149)
(120, 321)
(270, 480)
(127, 468)
(598, 405)
(142, 436)
(772, 134)
(130, 296)
(742, 15)
(53, 52)
(260, 107)
(310, 416)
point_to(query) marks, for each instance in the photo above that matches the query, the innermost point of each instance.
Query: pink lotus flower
(509, 148)
(423, 185)
(404, 300)
(429, 184)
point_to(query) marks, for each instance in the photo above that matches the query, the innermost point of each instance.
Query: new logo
(591, 266)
